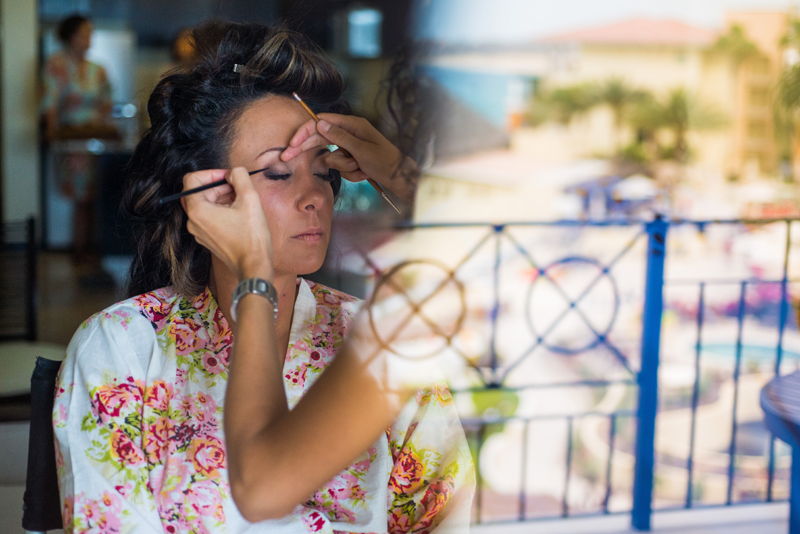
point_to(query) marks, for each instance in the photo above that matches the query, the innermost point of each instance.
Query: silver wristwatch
(257, 286)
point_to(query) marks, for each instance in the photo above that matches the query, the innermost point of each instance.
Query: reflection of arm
(433, 477)
(277, 457)
(102, 470)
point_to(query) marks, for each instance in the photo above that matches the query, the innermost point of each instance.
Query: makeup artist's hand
(229, 221)
(373, 156)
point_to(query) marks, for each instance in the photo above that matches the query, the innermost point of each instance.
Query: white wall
(20, 145)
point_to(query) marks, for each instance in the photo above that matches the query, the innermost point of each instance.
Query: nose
(311, 194)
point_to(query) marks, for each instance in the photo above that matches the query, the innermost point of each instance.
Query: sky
(514, 21)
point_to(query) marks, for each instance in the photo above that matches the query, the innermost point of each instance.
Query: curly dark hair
(193, 111)
(69, 27)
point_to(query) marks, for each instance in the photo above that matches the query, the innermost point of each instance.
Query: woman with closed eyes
(220, 316)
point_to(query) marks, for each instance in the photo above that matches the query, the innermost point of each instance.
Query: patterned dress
(139, 433)
(79, 98)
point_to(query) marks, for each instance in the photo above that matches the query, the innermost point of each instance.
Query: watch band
(257, 286)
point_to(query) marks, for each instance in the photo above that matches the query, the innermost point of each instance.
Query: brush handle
(211, 185)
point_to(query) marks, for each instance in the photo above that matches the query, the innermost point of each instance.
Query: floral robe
(78, 97)
(139, 434)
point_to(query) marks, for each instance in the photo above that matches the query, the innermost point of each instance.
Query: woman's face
(296, 195)
(81, 40)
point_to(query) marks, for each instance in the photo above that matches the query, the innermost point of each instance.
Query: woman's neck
(76, 55)
(223, 281)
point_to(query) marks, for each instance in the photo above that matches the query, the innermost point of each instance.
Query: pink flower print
(330, 298)
(124, 490)
(125, 451)
(202, 301)
(399, 522)
(59, 415)
(108, 401)
(156, 306)
(298, 349)
(407, 472)
(436, 496)
(159, 395)
(201, 408)
(357, 493)
(208, 456)
(188, 335)
(171, 488)
(314, 522)
(157, 439)
(316, 360)
(204, 497)
(212, 363)
(297, 376)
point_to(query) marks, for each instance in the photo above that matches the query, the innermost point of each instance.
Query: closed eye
(328, 176)
(277, 176)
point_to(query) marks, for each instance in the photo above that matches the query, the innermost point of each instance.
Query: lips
(312, 235)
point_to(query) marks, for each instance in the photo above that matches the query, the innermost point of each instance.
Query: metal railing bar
(479, 478)
(695, 396)
(523, 490)
(782, 316)
(467, 421)
(612, 431)
(498, 232)
(582, 383)
(612, 223)
(725, 281)
(736, 372)
(564, 503)
(712, 506)
(533, 519)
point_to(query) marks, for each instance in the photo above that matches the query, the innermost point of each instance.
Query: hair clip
(238, 68)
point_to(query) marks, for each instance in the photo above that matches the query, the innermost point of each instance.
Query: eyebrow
(273, 149)
(320, 152)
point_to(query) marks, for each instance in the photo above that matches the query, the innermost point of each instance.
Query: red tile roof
(639, 31)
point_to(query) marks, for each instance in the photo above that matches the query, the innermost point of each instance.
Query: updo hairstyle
(193, 111)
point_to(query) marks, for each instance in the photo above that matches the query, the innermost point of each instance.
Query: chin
(309, 265)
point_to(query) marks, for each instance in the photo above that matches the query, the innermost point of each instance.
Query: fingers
(305, 138)
(340, 162)
(356, 126)
(339, 136)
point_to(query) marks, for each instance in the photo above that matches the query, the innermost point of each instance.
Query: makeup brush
(333, 148)
(209, 185)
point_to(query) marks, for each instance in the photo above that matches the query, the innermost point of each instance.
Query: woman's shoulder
(133, 314)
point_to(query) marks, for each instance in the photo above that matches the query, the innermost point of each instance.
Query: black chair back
(41, 502)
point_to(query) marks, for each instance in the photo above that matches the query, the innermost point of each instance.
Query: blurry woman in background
(140, 405)
(76, 104)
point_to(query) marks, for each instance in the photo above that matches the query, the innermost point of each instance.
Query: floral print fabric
(140, 446)
(79, 97)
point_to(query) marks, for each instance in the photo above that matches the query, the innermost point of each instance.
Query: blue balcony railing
(595, 320)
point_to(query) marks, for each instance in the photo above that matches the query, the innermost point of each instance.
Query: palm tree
(620, 97)
(563, 104)
(679, 113)
(736, 44)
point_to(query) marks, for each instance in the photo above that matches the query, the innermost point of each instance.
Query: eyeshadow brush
(209, 185)
(333, 148)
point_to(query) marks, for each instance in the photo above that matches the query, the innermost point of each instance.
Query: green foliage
(497, 402)
(562, 104)
(679, 112)
(619, 96)
(736, 44)
(634, 153)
